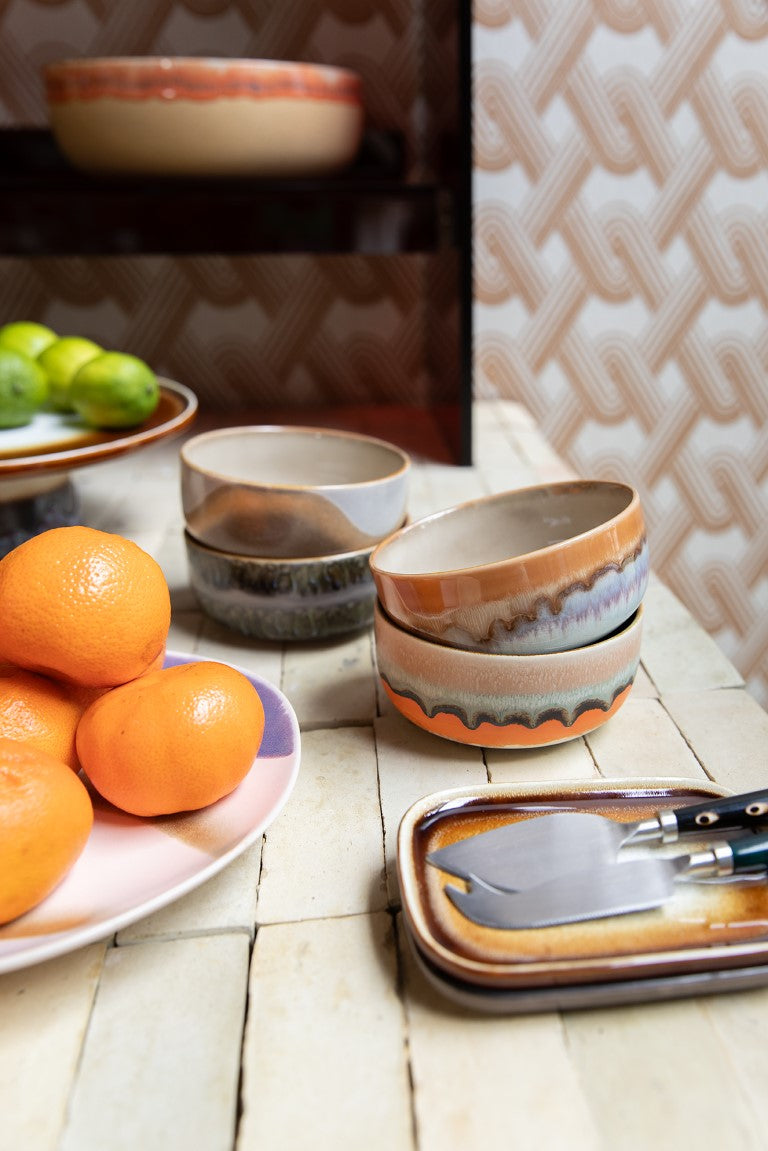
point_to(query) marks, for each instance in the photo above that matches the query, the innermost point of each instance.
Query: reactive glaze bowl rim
(269, 486)
(632, 508)
(193, 541)
(171, 60)
(71, 79)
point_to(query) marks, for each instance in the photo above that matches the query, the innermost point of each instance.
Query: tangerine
(84, 606)
(46, 816)
(42, 711)
(173, 740)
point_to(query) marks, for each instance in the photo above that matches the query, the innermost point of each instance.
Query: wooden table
(276, 1007)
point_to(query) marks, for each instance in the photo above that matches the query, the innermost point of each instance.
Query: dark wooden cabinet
(383, 205)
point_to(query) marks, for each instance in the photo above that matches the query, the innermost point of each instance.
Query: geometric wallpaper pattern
(620, 233)
(621, 270)
(280, 331)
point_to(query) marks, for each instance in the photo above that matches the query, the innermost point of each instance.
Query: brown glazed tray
(704, 928)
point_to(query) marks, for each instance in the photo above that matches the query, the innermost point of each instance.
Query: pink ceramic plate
(54, 442)
(132, 867)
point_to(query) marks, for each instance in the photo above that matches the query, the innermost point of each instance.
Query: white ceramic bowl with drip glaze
(506, 701)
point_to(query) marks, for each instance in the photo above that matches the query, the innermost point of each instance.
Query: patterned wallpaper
(621, 266)
(621, 247)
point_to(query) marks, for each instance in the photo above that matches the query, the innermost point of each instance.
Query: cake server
(613, 888)
(530, 851)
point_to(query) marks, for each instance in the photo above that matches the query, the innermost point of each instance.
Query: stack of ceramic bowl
(514, 621)
(281, 522)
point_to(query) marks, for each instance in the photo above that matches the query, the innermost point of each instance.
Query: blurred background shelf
(48, 208)
(346, 299)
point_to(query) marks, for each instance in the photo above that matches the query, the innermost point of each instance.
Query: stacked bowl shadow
(281, 523)
(514, 621)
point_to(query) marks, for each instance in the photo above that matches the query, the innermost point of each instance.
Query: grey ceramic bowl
(273, 599)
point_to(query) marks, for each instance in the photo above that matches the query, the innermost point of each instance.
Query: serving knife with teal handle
(518, 855)
(613, 888)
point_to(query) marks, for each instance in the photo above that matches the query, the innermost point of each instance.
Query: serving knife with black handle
(530, 851)
(607, 889)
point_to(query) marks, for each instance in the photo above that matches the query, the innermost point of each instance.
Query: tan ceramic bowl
(508, 701)
(204, 117)
(292, 492)
(539, 569)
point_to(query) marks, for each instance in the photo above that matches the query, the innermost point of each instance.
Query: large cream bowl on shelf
(532, 570)
(189, 116)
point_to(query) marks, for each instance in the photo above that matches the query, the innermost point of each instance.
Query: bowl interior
(292, 458)
(501, 527)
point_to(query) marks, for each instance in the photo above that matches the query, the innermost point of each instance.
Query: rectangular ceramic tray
(584, 996)
(703, 928)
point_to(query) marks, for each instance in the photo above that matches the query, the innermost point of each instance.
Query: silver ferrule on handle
(661, 828)
(714, 861)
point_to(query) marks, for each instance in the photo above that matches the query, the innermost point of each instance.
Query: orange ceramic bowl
(506, 701)
(540, 569)
(176, 116)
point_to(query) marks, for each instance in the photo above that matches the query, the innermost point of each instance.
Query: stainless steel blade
(594, 893)
(531, 851)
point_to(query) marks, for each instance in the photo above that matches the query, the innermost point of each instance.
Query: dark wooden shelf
(47, 208)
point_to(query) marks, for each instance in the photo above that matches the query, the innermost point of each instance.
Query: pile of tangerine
(85, 700)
